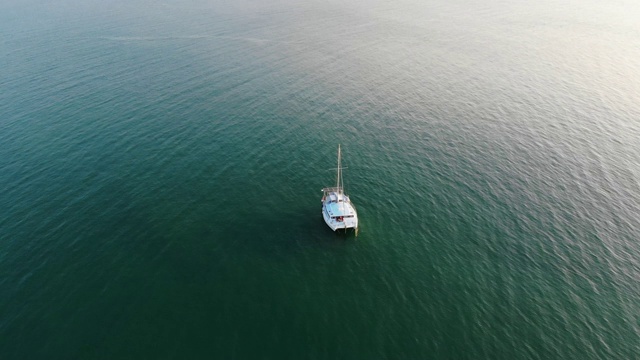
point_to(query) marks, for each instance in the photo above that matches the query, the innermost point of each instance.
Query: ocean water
(161, 166)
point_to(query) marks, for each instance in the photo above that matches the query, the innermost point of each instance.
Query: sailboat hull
(339, 215)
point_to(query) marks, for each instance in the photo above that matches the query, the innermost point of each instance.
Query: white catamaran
(337, 210)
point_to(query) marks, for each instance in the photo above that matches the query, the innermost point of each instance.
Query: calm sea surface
(161, 166)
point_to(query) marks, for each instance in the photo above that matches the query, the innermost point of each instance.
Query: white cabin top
(339, 205)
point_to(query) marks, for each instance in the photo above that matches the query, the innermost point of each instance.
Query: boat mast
(339, 171)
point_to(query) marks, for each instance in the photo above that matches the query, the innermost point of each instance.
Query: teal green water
(161, 166)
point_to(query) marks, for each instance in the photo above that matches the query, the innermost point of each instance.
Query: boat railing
(331, 189)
